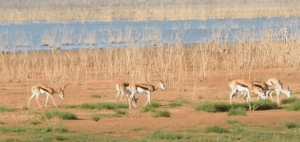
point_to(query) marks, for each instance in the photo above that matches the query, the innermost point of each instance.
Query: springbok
(233, 84)
(143, 88)
(122, 88)
(46, 90)
(276, 82)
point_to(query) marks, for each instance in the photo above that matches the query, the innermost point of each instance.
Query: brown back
(264, 86)
(46, 88)
(146, 86)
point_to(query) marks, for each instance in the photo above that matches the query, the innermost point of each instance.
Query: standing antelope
(122, 88)
(257, 89)
(48, 91)
(143, 88)
(276, 82)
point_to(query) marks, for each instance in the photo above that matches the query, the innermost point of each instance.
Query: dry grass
(174, 64)
(17, 10)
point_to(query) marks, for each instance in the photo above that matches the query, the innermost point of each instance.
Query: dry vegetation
(175, 64)
(22, 10)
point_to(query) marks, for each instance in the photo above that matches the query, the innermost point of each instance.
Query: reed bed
(23, 10)
(179, 65)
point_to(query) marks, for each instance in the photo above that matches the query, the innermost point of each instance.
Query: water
(43, 35)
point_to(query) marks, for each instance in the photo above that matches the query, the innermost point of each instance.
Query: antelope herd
(237, 86)
(131, 89)
(262, 89)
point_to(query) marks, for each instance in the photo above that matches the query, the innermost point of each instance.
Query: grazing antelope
(122, 88)
(143, 88)
(48, 91)
(274, 81)
(241, 88)
(257, 89)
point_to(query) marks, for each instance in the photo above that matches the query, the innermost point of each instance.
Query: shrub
(163, 113)
(292, 124)
(295, 106)
(288, 100)
(213, 107)
(177, 103)
(215, 129)
(237, 111)
(233, 122)
(60, 114)
(120, 113)
(96, 96)
(25, 108)
(150, 107)
(95, 117)
(34, 122)
(6, 109)
(264, 105)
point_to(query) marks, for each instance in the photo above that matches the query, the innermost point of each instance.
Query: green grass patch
(213, 107)
(200, 97)
(291, 124)
(215, 129)
(52, 128)
(162, 113)
(95, 117)
(25, 108)
(60, 114)
(288, 100)
(237, 111)
(178, 103)
(233, 122)
(100, 106)
(34, 122)
(225, 107)
(295, 106)
(152, 106)
(138, 129)
(13, 129)
(162, 135)
(96, 96)
(6, 109)
(54, 138)
(118, 113)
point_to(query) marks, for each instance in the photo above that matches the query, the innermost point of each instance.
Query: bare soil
(215, 89)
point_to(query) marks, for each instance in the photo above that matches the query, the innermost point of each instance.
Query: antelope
(257, 89)
(46, 90)
(143, 88)
(276, 82)
(122, 87)
(241, 88)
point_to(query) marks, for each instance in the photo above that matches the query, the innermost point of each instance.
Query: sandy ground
(215, 89)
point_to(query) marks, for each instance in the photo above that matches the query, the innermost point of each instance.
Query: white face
(162, 86)
(287, 92)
